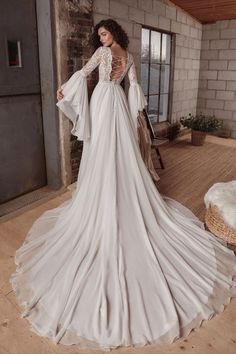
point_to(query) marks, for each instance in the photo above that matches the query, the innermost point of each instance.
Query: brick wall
(163, 15)
(217, 85)
(76, 23)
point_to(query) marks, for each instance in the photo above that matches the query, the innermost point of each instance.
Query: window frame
(171, 68)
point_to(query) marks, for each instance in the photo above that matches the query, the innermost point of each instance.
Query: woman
(118, 264)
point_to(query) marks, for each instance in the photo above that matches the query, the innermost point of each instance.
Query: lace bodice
(110, 66)
(112, 69)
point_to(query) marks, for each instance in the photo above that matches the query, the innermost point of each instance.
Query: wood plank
(208, 11)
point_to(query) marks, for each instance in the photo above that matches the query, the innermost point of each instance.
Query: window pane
(165, 48)
(165, 76)
(145, 45)
(155, 72)
(163, 108)
(144, 77)
(153, 108)
(155, 47)
(154, 78)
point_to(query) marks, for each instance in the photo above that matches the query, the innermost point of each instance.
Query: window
(155, 73)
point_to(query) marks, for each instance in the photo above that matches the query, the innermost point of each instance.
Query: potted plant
(200, 125)
(173, 130)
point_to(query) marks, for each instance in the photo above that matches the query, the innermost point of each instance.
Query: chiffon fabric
(145, 144)
(118, 264)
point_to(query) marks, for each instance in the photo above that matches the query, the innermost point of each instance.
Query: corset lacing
(119, 64)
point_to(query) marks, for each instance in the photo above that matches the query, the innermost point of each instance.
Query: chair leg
(159, 158)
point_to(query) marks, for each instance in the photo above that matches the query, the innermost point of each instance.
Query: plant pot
(198, 137)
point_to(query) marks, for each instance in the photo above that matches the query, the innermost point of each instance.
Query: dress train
(118, 264)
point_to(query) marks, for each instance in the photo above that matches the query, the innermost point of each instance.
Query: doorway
(29, 134)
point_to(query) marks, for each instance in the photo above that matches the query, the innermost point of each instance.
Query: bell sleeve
(75, 103)
(136, 99)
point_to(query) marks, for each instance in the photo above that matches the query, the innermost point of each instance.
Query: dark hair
(119, 35)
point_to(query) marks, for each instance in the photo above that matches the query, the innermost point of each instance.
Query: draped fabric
(118, 264)
(145, 143)
(75, 105)
(137, 101)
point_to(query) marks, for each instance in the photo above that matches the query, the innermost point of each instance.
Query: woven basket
(216, 224)
(198, 137)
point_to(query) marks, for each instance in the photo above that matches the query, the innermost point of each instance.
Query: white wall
(217, 85)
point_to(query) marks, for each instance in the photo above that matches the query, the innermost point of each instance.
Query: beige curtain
(145, 145)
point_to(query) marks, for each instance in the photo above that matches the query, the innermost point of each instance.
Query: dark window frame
(171, 74)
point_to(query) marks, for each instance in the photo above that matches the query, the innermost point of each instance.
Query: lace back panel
(111, 67)
(119, 65)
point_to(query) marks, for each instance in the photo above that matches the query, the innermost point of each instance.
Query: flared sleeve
(136, 99)
(75, 103)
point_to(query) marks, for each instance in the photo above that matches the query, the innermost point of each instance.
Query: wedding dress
(117, 264)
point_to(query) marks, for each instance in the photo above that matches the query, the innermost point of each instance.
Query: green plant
(201, 122)
(173, 130)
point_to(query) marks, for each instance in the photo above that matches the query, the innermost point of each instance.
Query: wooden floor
(189, 172)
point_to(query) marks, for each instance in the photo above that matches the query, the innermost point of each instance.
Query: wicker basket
(198, 137)
(216, 224)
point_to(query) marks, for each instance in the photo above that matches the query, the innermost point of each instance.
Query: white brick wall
(208, 74)
(207, 94)
(205, 44)
(224, 114)
(136, 15)
(171, 12)
(218, 64)
(118, 9)
(151, 20)
(227, 33)
(209, 54)
(231, 85)
(210, 34)
(101, 7)
(233, 44)
(159, 8)
(228, 54)
(230, 105)
(217, 85)
(219, 44)
(175, 27)
(227, 75)
(214, 104)
(232, 65)
(204, 65)
(145, 5)
(225, 95)
(164, 23)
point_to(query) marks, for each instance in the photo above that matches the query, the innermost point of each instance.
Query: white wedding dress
(118, 264)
